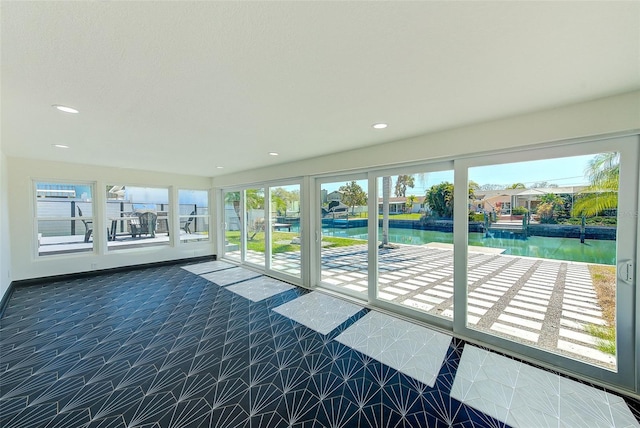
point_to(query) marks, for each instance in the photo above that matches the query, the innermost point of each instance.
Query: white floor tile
(206, 267)
(318, 311)
(230, 276)
(533, 397)
(411, 349)
(260, 288)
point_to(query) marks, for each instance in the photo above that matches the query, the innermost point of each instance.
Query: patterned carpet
(169, 347)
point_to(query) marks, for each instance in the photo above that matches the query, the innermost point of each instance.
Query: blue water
(569, 249)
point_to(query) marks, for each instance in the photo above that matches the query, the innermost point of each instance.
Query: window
(193, 211)
(137, 216)
(64, 217)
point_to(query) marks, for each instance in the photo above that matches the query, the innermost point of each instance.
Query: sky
(569, 171)
(560, 171)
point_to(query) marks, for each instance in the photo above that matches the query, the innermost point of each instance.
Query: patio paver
(540, 302)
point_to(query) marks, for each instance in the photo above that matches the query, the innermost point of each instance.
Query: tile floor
(208, 346)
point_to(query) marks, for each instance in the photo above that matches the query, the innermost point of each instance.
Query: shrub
(476, 216)
(593, 221)
(545, 212)
(519, 211)
(439, 197)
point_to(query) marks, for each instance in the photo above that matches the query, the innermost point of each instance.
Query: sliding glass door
(234, 243)
(262, 228)
(532, 252)
(341, 234)
(549, 265)
(285, 230)
(415, 235)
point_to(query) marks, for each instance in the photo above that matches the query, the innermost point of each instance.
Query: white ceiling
(187, 86)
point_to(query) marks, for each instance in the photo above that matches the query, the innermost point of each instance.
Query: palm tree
(517, 186)
(254, 199)
(603, 172)
(411, 200)
(402, 182)
(386, 190)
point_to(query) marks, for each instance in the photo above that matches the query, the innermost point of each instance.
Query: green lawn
(410, 216)
(282, 241)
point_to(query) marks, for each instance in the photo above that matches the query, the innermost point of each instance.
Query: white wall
(24, 264)
(606, 115)
(5, 243)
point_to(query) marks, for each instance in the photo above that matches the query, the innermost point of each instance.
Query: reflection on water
(569, 249)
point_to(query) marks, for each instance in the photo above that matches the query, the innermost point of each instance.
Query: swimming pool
(569, 249)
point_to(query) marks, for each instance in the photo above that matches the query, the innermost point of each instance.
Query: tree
(411, 199)
(281, 199)
(254, 200)
(279, 204)
(517, 186)
(353, 195)
(603, 172)
(439, 197)
(402, 182)
(233, 198)
(490, 186)
(551, 208)
(542, 184)
(550, 198)
(545, 212)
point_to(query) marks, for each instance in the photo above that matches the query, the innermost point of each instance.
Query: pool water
(569, 249)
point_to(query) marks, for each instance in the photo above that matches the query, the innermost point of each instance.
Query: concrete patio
(540, 302)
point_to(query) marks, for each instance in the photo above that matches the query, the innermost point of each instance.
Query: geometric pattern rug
(163, 347)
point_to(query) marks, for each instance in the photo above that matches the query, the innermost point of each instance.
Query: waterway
(568, 249)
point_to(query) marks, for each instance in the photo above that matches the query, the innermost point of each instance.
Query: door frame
(420, 168)
(316, 238)
(626, 374)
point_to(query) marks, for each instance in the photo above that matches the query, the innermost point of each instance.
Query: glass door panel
(344, 236)
(285, 229)
(541, 268)
(233, 242)
(255, 223)
(415, 255)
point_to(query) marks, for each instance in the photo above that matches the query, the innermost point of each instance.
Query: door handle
(625, 271)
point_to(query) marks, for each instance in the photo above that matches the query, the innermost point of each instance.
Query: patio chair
(144, 224)
(187, 224)
(88, 226)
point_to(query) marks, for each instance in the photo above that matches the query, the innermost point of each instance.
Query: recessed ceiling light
(219, 167)
(273, 154)
(380, 125)
(65, 108)
(60, 146)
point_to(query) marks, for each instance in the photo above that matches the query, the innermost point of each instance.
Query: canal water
(568, 249)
